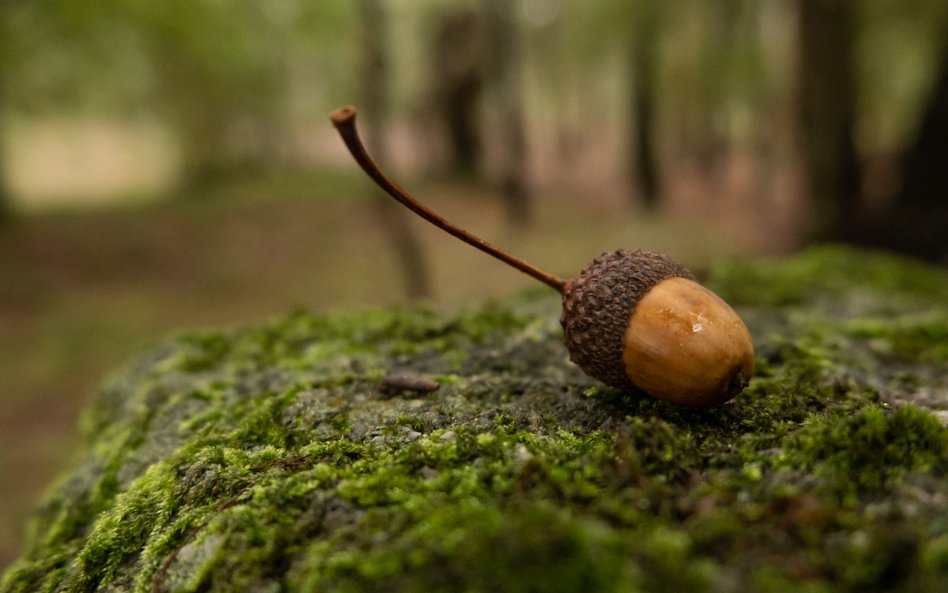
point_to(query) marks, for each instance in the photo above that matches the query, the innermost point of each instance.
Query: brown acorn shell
(598, 303)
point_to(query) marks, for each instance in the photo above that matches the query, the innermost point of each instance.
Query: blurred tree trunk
(643, 169)
(503, 65)
(827, 116)
(224, 130)
(374, 78)
(459, 82)
(219, 79)
(6, 209)
(191, 100)
(916, 222)
(5, 206)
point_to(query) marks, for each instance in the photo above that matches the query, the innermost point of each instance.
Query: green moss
(265, 459)
(906, 338)
(829, 272)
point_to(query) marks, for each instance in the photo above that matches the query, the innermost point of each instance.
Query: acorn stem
(344, 121)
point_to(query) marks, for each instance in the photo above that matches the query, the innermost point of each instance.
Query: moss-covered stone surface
(266, 459)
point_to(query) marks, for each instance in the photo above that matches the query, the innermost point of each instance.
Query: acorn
(635, 320)
(638, 319)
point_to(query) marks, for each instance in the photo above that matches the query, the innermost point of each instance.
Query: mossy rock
(266, 458)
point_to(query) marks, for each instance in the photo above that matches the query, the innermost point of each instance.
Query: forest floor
(82, 290)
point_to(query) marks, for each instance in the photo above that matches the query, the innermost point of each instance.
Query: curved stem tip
(344, 121)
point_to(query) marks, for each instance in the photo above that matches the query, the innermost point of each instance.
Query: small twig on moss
(393, 384)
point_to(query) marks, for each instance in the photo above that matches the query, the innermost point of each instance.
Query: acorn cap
(598, 303)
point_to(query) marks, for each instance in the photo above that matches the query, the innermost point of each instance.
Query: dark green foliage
(264, 459)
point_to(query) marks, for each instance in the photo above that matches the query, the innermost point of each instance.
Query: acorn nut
(635, 320)
(638, 320)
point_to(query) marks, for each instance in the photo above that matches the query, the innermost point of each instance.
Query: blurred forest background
(166, 165)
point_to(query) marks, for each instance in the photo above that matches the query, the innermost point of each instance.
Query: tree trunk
(374, 79)
(199, 106)
(644, 163)
(503, 61)
(827, 117)
(5, 206)
(459, 82)
(6, 210)
(917, 221)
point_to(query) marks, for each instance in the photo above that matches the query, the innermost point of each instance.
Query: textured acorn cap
(598, 303)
